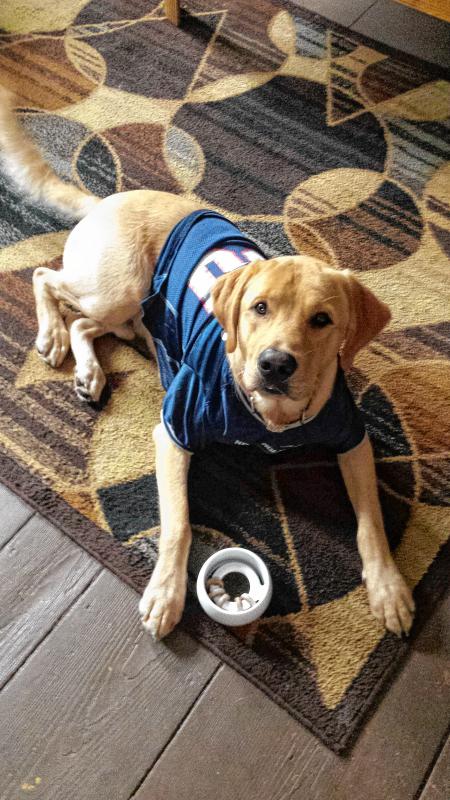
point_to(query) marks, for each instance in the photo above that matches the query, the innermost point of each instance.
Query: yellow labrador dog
(292, 325)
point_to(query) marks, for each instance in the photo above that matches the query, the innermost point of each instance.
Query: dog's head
(286, 320)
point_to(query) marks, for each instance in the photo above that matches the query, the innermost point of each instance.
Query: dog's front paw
(89, 381)
(390, 600)
(162, 603)
(53, 343)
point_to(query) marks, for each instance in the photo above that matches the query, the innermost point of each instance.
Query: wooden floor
(92, 709)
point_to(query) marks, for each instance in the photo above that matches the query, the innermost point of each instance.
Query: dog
(259, 359)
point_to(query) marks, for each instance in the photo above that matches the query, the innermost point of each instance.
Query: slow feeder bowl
(212, 594)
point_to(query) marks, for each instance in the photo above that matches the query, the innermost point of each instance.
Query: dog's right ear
(226, 297)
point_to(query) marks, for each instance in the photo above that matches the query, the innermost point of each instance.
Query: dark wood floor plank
(42, 572)
(246, 748)
(438, 784)
(94, 705)
(13, 514)
(407, 30)
(345, 11)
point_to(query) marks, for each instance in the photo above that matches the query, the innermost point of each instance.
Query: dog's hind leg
(89, 378)
(52, 341)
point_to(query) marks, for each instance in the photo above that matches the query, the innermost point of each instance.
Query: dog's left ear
(368, 316)
(226, 296)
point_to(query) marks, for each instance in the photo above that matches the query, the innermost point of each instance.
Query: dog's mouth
(277, 390)
(276, 393)
(263, 389)
(278, 404)
(282, 389)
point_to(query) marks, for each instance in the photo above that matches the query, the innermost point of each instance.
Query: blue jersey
(203, 404)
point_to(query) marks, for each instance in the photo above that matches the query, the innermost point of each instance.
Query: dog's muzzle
(275, 367)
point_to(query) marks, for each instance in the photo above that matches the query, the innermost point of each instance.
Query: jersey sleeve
(184, 411)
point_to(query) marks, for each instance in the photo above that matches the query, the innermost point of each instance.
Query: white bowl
(235, 559)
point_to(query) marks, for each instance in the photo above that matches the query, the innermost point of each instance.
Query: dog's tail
(26, 166)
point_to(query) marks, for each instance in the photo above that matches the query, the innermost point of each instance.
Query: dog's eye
(261, 308)
(320, 320)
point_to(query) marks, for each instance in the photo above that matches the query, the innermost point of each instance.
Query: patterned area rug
(313, 140)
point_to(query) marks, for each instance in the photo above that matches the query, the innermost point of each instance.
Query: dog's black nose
(276, 367)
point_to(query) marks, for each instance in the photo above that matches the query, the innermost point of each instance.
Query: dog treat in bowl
(216, 600)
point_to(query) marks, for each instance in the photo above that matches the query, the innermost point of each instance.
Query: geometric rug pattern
(314, 140)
